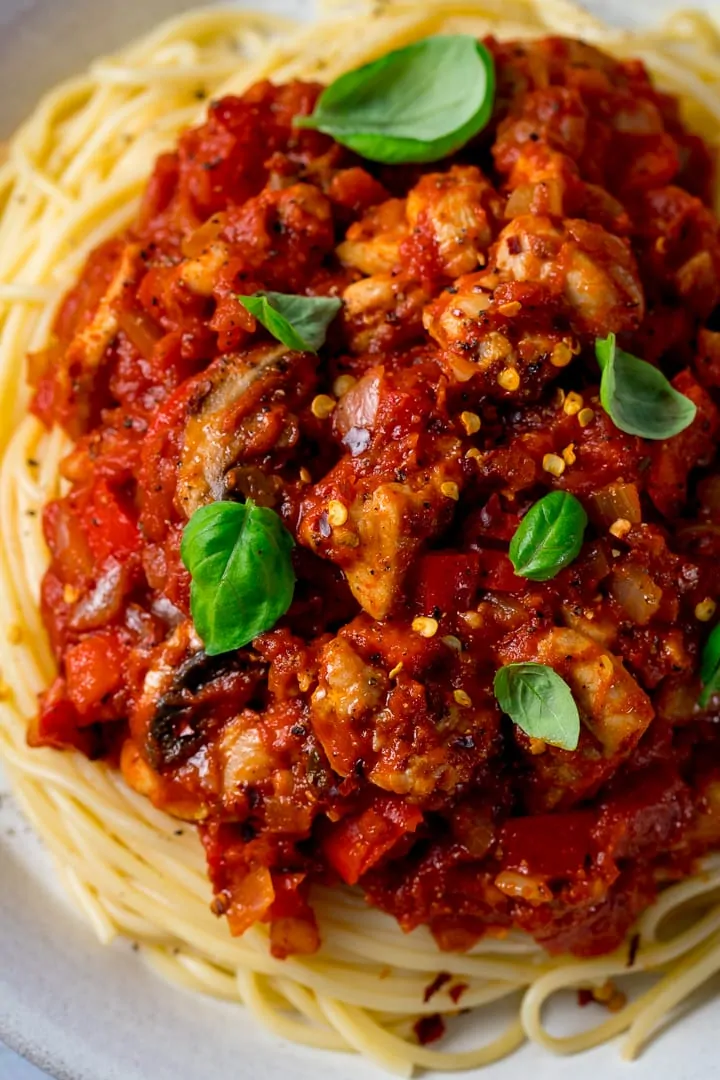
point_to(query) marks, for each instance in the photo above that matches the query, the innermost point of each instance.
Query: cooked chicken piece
(507, 342)
(387, 522)
(543, 182)
(405, 740)
(612, 706)
(386, 528)
(372, 244)
(279, 237)
(680, 246)
(554, 118)
(349, 691)
(447, 216)
(593, 271)
(614, 713)
(200, 274)
(382, 312)
(453, 213)
(595, 623)
(246, 760)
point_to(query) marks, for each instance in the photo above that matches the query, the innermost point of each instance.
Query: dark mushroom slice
(243, 411)
(189, 695)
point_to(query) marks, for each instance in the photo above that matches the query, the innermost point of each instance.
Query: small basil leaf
(540, 703)
(549, 537)
(300, 322)
(710, 668)
(637, 397)
(239, 558)
(416, 104)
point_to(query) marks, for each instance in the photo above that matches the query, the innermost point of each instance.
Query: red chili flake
(585, 997)
(457, 991)
(633, 950)
(429, 1029)
(436, 984)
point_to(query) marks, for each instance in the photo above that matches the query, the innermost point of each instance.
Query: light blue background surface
(13, 1068)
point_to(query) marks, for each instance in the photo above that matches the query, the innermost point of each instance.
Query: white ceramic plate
(83, 1012)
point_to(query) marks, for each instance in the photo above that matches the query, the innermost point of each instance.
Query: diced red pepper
(94, 669)
(110, 527)
(357, 843)
(497, 574)
(549, 845)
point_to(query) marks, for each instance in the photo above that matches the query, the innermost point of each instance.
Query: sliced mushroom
(235, 388)
(186, 695)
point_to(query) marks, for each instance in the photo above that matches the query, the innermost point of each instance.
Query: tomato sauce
(359, 740)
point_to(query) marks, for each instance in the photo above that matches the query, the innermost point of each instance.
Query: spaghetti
(72, 178)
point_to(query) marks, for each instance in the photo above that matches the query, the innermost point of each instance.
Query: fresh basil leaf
(300, 322)
(549, 537)
(637, 397)
(239, 558)
(710, 668)
(540, 703)
(416, 104)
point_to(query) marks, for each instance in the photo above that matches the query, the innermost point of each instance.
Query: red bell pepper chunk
(93, 669)
(548, 845)
(447, 582)
(357, 843)
(110, 527)
(497, 574)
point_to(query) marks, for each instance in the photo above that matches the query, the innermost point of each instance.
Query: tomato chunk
(110, 526)
(357, 843)
(94, 669)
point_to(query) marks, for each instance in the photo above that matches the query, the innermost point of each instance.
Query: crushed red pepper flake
(428, 1029)
(437, 984)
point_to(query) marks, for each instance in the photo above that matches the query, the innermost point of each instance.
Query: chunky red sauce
(345, 745)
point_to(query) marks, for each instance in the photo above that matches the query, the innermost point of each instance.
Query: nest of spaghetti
(360, 739)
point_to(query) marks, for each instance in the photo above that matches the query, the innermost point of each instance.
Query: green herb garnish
(300, 322)
(417, 104)
(637, 397)
(549, 537)
(540, 703)
(710, 667)
(239, 558)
